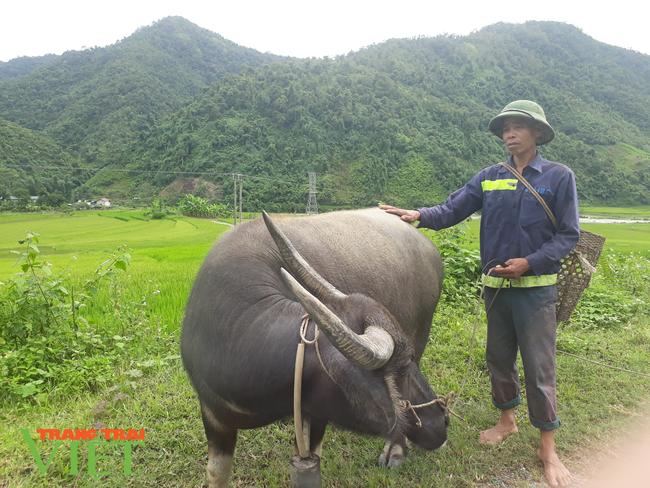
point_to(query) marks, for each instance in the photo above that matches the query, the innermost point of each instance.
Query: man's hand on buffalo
(514, 268)
(406, 215)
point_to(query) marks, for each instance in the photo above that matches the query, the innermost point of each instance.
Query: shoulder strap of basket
(532, 190)
(587, 266)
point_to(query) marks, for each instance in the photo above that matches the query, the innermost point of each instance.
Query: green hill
(21, 150)
(23, 65)
(405, 121)
(92, 102)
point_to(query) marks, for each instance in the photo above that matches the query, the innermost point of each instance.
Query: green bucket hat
(523, 108)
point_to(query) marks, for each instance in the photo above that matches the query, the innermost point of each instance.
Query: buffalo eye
(403, 371)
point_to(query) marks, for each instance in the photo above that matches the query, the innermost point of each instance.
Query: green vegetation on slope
(23, 65)
(19, 149)
(406, 121)
(93, 101)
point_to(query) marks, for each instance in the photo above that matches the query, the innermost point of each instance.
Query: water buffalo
(368, 280)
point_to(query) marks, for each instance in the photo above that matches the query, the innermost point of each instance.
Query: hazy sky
(302, 28)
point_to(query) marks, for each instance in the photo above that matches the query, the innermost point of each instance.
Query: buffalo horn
(370, 351)
(298, 266)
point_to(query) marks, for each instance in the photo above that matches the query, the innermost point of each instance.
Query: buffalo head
(368, 338)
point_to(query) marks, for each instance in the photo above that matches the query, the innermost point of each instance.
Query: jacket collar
(537, 164)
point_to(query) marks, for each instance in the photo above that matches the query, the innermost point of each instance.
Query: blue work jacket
(513, 223)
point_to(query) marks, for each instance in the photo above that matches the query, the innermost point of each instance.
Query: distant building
(103, 201)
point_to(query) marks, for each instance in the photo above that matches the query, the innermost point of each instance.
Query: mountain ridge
(404, 120)
(126, 86)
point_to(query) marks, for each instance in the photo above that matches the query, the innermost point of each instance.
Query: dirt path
(624, 461)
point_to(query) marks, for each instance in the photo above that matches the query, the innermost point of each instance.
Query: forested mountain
(406, 121)
(19, 149)
(23, 65)
(91, 102)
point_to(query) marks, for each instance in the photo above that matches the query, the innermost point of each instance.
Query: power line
(208, 173)
(121, 170)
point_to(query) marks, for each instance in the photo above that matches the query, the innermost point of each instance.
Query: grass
(633, 237)
(166, 254)
(626, 155)
(640, 212)
(623, 237)
(593, 401)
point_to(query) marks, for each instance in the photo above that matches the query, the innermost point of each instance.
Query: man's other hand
(515, 268)
(406, 215)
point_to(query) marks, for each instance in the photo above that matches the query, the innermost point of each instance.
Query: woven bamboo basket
(573, 279)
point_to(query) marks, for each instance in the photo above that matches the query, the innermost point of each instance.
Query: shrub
(44, 342)
(197, 207)
(462, 267)
(619, 290)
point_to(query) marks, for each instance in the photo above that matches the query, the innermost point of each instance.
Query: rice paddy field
(641, 212)
(596, 405)
(623, 237)
(166, 254)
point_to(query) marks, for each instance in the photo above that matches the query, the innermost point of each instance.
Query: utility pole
(235, 179)
(234, 207)
(241, 185)
(312, 206)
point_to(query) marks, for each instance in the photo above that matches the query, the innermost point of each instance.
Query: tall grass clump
(198, 207)
(619, 291)
(47, 345)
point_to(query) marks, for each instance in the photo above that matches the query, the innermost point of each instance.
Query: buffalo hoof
(381, 462)
(391, 457)
(391, 464)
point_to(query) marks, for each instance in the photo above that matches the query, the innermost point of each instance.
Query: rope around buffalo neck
(303, 333)
(303, 449)
(443, 400)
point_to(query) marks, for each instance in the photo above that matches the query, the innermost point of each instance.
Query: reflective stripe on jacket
(513, 223)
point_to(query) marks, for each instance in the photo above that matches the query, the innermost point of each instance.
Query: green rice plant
(640, 212)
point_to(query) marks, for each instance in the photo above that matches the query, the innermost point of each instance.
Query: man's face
(519, 135)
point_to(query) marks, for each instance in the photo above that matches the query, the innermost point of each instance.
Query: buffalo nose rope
(443, 400)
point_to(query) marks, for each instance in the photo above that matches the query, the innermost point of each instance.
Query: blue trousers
(523, 319)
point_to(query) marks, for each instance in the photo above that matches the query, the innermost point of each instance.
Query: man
(516, 230)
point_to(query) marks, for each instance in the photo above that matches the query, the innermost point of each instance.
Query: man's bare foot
(506, 426)
(497, 433)
(557, 475)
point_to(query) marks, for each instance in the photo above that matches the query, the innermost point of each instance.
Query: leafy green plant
(197, 207)
(462, 266)
(43, 337)
(618, 291)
